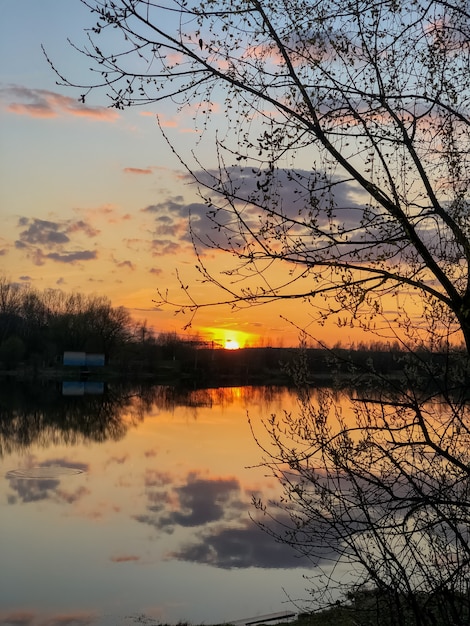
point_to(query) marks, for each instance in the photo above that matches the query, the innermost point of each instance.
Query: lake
(132, 505)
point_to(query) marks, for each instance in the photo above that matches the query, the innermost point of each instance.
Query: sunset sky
(93, 200)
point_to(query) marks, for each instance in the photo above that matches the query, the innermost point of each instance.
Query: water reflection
(137, 501)
(42, 414)
(216, 509)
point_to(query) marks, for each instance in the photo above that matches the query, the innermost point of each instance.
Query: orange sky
(93, 200)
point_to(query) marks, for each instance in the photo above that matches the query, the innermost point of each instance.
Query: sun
(231, 344)
(228, 338)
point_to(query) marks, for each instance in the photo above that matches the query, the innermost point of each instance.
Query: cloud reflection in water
(226, 537)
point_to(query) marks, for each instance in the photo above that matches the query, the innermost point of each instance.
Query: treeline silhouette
(36, 412)
(37, 327)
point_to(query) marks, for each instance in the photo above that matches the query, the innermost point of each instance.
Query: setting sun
(231, 344)
(229, 339)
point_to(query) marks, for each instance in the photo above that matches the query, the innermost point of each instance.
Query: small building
(83, 359)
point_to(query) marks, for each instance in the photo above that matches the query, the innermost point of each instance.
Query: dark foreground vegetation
(373, 608)
(36, 328)
(383, 608)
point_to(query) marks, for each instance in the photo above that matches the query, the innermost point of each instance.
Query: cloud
(171, 217)
(239, 547)
(223, 534)
(125, 264)
(68, 257)
(51, 234)
(42, 232)
(150, 453)
(174, 205)
(108, 212)
(284, 190)
(71, 619)
(16, 618)
(198, 501)
(119, 460)
(69, 497)
(155, 478)
(81, 226)
(42, 103)
(163, 247)
(125, 558)
(135, 243)
(45, 240)
(289, 195)
(66, 463)
(167, 122)
(27, 489)
(138, 170)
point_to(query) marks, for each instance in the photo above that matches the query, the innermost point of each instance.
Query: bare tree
(344, 155)
(341, 179)
(375, 481)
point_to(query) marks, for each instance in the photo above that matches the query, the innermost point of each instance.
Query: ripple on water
(43, 472)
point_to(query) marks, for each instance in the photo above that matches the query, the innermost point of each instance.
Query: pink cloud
(33, 110)
(26, 618)
(107, 212)
(125, 558)
(17, 618)
(137, 170)
(70, 619)
(167, 122)
(41, 103)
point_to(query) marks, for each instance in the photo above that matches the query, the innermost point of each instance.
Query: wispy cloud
(72, 257)
(125, 558)
(138, 170)
(125, 265)
(108, 213)
(167, 122)
(69, 619)
(41, 103)
(162, 247)
(17, 618)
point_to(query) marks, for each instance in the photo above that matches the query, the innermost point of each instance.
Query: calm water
(135, 503)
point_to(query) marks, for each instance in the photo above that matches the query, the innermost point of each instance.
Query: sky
(93, 200)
